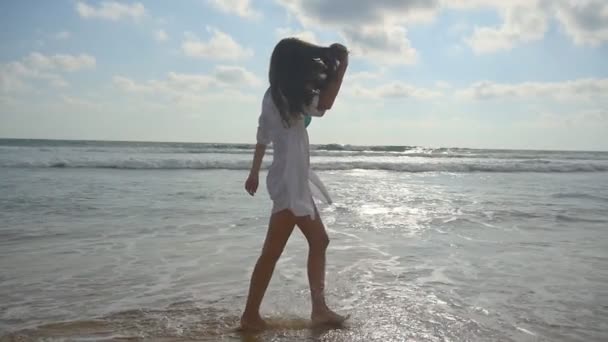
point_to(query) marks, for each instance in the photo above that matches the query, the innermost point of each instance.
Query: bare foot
(327, 317)
(253, 323)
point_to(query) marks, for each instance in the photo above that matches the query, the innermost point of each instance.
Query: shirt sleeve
(263, 136)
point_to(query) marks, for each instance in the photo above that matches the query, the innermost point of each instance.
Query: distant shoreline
(504, 149)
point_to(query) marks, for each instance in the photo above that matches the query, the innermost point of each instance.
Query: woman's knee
(270, 255)
(319, 243)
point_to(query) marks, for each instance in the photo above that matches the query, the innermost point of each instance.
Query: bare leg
(279, 229)
(315, 233)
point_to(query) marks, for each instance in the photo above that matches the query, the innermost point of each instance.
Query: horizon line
(340, 144)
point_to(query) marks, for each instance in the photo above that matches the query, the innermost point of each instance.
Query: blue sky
(469, 73)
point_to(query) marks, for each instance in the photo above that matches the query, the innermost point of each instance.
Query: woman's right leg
(279, 229)
(317, 238)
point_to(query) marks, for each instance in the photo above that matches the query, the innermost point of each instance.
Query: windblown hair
(298, 70)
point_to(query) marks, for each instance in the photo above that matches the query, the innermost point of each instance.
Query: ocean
(156, 241)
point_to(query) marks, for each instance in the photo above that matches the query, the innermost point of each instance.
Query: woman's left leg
(279, 229)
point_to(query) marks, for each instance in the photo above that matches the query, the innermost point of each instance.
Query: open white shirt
(290, 178)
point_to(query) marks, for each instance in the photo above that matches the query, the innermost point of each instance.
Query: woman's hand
(340, 52)
(251, 184)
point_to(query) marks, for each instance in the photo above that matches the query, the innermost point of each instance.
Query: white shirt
(289, 177)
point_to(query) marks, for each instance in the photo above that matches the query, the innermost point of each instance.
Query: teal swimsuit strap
(307, 120)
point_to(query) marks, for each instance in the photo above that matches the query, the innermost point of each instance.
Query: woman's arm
(251, 185)
(258, 156)
(330, 92)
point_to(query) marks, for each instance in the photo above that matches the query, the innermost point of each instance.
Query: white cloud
(587, 90)
(220, 46)
(363, 76)
(350, 13)
(374, 30)
(472, 4)
(599, 115)
(580, 89)
(235, 75)
(80, 103)
(190, 88)
(241, 8)
(57, 81)
(459, 28)
(520, 24)
(377, 30)
(581, 118)
(129, 85)
(381, 44)
(11, 78)
(111, 10)
(61, 62)
(14, 75)
(585, 21)
(395, 90)
(62, 35)
(285, 32)
(161, 35)
(443, 84)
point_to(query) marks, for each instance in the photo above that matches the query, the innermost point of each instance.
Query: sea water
(156, 241)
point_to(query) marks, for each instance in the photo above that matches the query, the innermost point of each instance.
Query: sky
(520, 74)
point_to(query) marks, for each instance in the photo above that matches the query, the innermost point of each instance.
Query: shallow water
(94, 253)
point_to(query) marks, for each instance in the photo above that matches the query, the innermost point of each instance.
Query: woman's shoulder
(267, 96)
(268, 104)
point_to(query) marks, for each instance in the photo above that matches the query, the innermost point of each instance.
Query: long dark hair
(298, 70)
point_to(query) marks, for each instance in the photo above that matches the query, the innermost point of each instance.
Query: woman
(304, 81)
